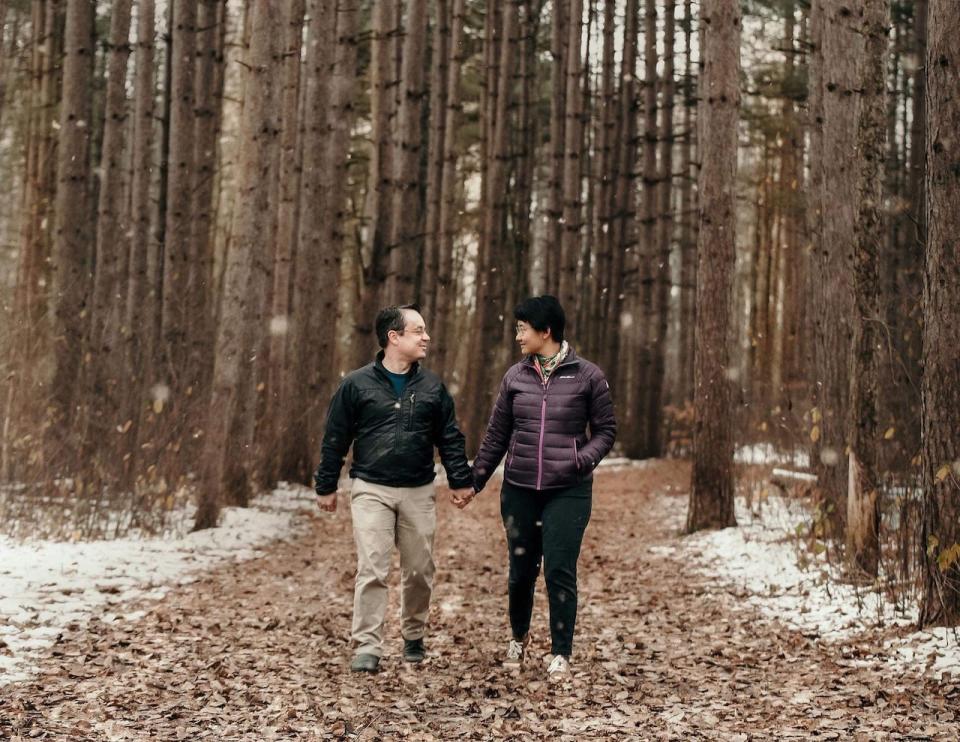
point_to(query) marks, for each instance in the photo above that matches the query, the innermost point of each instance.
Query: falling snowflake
(279, 325)
(829, 456)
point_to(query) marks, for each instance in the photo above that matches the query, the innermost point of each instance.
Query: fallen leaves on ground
(259, 650)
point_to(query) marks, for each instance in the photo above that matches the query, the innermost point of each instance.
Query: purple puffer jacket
(542, 428)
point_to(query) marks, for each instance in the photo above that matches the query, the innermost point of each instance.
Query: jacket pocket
(513, 445)
(576, 455)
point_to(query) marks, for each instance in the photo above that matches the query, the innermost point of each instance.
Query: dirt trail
(259, 651)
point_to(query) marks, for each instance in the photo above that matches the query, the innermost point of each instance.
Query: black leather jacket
(393, 437)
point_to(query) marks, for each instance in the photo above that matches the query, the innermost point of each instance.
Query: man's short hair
(391, 318)
(542, 313)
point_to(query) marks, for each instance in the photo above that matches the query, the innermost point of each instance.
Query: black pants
(548, 526)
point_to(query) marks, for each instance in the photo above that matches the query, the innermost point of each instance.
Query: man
(393, 412)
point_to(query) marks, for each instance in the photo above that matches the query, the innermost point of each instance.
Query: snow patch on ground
(763, 562)
(766, 453)
(46, 586)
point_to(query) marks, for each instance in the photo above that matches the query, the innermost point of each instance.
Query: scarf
(546, 365)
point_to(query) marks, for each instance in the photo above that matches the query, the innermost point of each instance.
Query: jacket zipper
(543, 424)
(576, 457)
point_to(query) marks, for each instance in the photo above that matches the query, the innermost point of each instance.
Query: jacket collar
(570, 359)
(378, 365)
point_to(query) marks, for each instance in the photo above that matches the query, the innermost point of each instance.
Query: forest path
(259, 650)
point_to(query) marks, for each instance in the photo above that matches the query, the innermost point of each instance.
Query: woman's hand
(461, 498)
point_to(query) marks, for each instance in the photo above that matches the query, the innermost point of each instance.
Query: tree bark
(439, 76)
(638, 359)
(406, 243)
(316, 268)
(289, 172)
(711, 495)
(208, 96)
(558, 87)
(342, 115)
(572, 151)
(940, 452)
(519, 236)
(34, 273)
(624, 211)
(230, 424)
(489, 314)
(688, 240)
(863, 498)
(662, 280)
(178, 232)
(142, 305)
(447, 227)
(379, 198)
(833, 308)
(606, 169)
(72, 238)
(102, 403)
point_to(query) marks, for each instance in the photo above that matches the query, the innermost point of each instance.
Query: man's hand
(327, 503)
(462, 497)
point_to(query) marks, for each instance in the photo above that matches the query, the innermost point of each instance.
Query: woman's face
(530, 339)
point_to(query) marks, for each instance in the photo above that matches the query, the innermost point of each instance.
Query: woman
(540, 422)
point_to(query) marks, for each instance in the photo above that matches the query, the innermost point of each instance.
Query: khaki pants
(384, 517)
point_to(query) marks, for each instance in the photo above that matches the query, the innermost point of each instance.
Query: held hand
(462, 497)
(327, 503)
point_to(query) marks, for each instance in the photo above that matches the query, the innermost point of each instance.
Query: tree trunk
(688, 240)
(342, 94)
(904, 313)
(814, 212)
(624, 210)
(72, 238)
(31, 295)
(229, 427)
(662, 273)
(572, 150)
(447, 227)
(606, 169)
(178, 233)
(489, 315)
(791, 347)
(102, 403)
(863, 498)
(316, 267)
(558, 87)
(208, 96)
(439, 62)
(406, 243)
(519, 236)
(379, 198)
(637, 359)
(3, 60)
(290, 166)
(940, 452)
(833, 308)
(711, 495)
(142, 305)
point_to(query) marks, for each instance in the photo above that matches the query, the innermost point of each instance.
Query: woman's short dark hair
(542, 313)
(391, 318)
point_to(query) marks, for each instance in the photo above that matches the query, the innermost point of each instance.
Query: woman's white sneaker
(514, 658)
(559, 668)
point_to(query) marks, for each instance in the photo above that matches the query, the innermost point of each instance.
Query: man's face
(412, 344)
